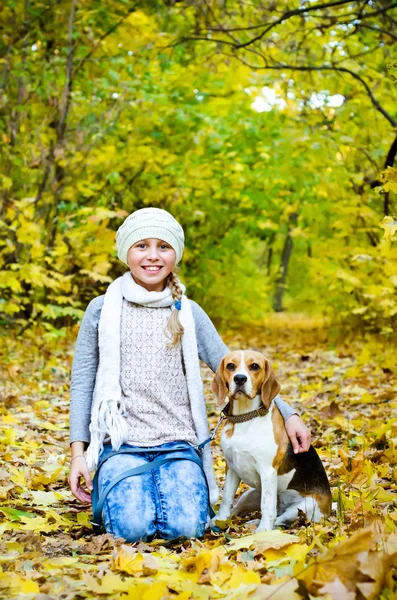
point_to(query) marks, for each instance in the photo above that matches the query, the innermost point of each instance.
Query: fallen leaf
(280, 591)
(342, 561)
(263, 540)
(108, 584)
(337, 590)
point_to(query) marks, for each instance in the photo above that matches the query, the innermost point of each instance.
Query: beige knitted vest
(152, 380)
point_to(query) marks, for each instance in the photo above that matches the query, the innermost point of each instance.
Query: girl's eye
(230, 367)
(164, 247)
(254, 367)
(141, 245)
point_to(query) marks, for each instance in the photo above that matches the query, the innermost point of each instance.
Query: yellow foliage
(389, 224)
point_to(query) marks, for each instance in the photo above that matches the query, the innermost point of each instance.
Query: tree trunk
(285, 257)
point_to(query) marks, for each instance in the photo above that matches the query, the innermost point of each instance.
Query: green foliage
(109, 109)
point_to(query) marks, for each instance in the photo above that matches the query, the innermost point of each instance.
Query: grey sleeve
(211, 350)
(285, 409)
(84, 368)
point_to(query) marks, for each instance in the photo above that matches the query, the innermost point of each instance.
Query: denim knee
(130, 507)
(121, 524)
(129, 520)
(183, 527)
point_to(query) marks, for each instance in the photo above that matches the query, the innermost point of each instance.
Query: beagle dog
(258, 451)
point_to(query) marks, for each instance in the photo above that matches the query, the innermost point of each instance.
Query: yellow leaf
(9, 419)
(15, 584)
(264, 540)
(147, 591)
(390, 226)
(280, 591)
(156, 591)
(389, 176)
(298, 551)
(386, 495)
(109, 584)
(205, 564)
(44, 498)
(273, 554)
(241, 576)
(128, 560)
(49, 426)
(60, 561)
(29, 587)
(183, 596)
(83, 518)
(18, 477)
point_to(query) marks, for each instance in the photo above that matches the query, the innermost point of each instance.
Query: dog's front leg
(229, 491)
(268, 499)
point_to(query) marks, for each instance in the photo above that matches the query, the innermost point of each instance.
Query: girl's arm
(211, 350)
(84, 368)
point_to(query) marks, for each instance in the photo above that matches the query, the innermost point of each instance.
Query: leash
(99, 500)
(213, 434)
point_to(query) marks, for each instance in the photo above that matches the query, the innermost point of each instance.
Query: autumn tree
(263, 128)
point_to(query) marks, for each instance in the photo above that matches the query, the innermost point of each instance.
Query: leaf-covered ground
(346, 394)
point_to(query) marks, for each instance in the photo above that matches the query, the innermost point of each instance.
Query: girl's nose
(153, 253)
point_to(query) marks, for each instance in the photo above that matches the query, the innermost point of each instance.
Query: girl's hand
(298, 433)
(79, 469)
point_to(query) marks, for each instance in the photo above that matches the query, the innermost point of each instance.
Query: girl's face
(150, 262)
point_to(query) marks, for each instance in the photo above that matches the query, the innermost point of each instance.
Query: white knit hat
(149, 223)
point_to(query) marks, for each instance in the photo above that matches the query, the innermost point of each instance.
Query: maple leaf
(389, 225)
(389, 177)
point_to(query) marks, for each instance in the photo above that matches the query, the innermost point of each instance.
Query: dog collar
(259, 412)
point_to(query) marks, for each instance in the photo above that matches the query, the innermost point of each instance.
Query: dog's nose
(240, 379)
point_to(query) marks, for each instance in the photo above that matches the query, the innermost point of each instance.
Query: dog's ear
(270, 387)
(218, 385)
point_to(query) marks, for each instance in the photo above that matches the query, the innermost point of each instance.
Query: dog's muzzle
(239, 381)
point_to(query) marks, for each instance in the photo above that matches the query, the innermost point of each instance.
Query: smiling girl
(137, 394)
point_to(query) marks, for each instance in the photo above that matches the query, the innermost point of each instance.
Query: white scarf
(108, 406)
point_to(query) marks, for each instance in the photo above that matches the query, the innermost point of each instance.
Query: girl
(136, 384)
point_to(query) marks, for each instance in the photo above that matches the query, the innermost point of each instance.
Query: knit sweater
(210, 346)
(153, 383)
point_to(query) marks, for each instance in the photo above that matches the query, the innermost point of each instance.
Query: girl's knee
(183, 526)
(131, 531)
(130, 523)
(131, 535)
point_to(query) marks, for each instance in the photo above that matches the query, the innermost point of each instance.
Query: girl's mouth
(152, 269)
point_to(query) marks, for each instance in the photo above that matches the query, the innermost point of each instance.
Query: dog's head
(245, 373)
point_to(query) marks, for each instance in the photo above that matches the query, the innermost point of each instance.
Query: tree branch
(65, 102)
(355, 16)
(374, 101)
(378, 29)
(291, 13)
(285, 16)
(391, 155)
(82, 62)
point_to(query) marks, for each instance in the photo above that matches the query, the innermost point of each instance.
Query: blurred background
(269, 133)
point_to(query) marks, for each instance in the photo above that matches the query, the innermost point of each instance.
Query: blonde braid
(174, 326)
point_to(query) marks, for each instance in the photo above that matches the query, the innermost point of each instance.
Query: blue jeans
(168, 502)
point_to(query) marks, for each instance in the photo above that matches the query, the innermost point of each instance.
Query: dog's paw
(212, 523)
(267, 526)
(221, 519)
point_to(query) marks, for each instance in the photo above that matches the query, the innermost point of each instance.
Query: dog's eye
(254, 367)
(230, 367)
